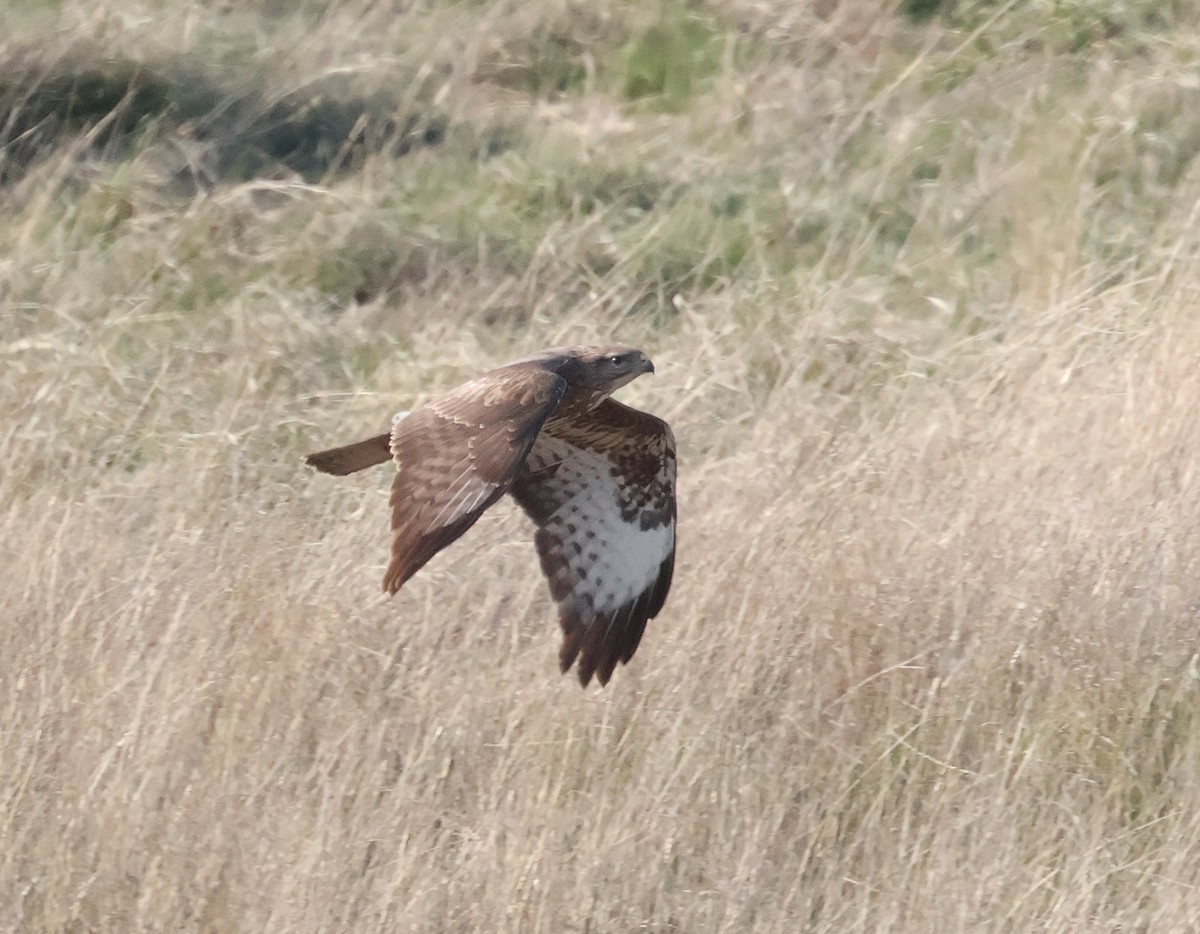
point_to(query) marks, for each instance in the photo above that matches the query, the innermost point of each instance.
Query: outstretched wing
(458, 455)
(601, 487)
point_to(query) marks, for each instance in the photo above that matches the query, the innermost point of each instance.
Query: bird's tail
(352, 457)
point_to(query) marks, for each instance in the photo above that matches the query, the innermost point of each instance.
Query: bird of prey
(597, 477)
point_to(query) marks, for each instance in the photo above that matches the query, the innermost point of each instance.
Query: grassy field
(921, 284)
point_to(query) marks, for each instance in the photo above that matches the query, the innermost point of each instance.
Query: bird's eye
(616, 359)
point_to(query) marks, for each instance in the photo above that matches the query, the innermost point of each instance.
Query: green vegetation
(919, 281)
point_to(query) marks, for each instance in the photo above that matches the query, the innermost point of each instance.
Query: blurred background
(920, 281)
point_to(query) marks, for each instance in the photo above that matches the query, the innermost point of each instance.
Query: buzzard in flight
(596, 476)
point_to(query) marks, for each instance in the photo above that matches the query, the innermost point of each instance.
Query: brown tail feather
(352, 457)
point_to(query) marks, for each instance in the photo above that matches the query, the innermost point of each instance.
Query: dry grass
(922, 300)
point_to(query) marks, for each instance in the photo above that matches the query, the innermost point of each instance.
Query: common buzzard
(596, 476)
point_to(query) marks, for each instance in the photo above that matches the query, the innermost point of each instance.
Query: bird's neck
(579, 401)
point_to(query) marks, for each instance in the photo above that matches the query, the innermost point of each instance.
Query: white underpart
(628, 557)
(399, 417)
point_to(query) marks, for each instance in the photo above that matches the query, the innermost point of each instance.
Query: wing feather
(601, 487)
(458, 455)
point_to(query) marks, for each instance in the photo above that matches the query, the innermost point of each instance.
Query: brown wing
(601, 487)
(458, 455)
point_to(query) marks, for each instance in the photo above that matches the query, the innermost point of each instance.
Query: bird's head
(605, 369)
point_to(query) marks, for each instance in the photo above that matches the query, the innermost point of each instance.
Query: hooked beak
(647, 366)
